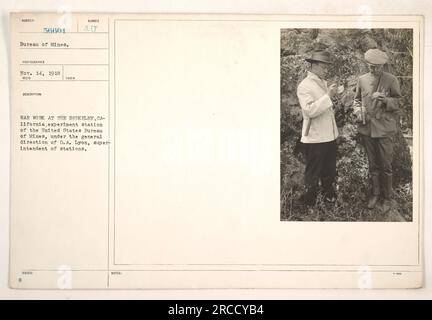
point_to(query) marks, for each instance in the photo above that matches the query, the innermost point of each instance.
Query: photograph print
(346, 125)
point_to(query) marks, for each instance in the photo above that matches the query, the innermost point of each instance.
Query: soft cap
(376, 56)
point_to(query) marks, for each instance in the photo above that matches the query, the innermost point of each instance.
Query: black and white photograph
(133, 166)
(346, 125)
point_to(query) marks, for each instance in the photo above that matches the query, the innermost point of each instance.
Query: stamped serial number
(54, 30)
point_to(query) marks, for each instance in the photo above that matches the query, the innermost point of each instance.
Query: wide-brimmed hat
(376, 57)
(320, 56)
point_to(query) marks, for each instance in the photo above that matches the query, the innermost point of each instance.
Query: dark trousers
(320, 165)
(380, 155)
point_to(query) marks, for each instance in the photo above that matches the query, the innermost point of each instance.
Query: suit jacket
(317, 108)
(381, 118)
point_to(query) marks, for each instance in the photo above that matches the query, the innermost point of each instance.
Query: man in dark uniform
(376, 105)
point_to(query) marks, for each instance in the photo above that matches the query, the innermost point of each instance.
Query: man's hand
(378, 95)
(332, 91)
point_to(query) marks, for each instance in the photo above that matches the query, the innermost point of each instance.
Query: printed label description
(61, 133)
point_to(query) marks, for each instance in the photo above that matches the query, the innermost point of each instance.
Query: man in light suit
(376, 105)
(319, 130)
